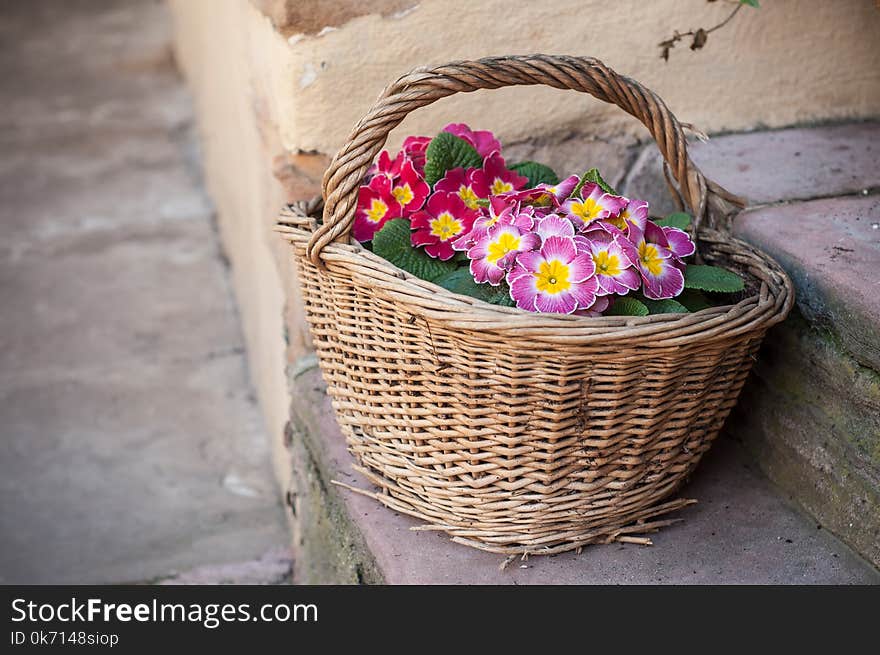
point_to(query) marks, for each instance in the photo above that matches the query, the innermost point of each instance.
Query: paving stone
(771, 166)
(741, 531)
(132, 447)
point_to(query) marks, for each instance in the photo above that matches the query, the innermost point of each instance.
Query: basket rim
(763, 309)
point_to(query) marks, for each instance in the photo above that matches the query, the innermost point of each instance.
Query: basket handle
(711, 204)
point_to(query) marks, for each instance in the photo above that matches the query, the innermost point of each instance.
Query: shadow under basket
(511, 431)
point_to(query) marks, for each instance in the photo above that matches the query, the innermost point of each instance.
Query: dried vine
(701, 35)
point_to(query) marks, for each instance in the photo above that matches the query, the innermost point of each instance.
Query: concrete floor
(131, 446)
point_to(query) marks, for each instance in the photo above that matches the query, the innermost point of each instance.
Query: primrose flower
(592, 205)
(555, 279)
(495, 252)
(376, 206)
(634, 215)
(444, 219)
(553, 225)
(502, 211)
(414, 148)
(496, 178)
(386, 166)
(409, 189)
(461, 182)
(614, 268)
(483, 141)
(679, 242)
(660, 269)
(546, 195)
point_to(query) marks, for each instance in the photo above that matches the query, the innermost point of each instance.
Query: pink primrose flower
(376, 206)
(661, 271)
(495, 251)
(409, 188)
(444, 219)
(496, 178)
(592, 204)
(555, 279)
(615, 270)
(461, 182)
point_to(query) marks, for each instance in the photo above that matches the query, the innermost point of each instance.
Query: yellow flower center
(403, 194)
(505, 244)
(377, 210)
(446, 226)
(586, 210)
(619, 221)
(650, 258)
(552, 277)
(607, 264)
(499, 186)
(468, 196)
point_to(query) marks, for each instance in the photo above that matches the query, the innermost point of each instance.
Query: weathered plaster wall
(279, 84)
(790, 61)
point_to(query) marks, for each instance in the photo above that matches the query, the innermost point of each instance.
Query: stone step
(813, 418)
(741, 531)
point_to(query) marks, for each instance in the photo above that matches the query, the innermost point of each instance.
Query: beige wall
(790, 61)
(279, 83)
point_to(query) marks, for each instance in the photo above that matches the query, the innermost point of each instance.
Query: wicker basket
(517, 432)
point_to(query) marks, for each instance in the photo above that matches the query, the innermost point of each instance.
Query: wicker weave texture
(516, 432)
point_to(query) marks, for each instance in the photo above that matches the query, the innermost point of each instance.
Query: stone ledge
(740, 532)
(831, 250)
(771, 166)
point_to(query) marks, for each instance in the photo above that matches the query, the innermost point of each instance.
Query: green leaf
(445, 152)
(712, 278)
(593, 176)
(537, 173)
(693, 299)
(393, 243)
(626, 306)
(665, 306)
(461, 281)
(681, 220)
(750, 3)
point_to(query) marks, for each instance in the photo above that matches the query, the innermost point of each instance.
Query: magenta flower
(484, 142)
(386, 166)
(546, 195)
(376, 206)
(444, 219)
(461, 182)
(503, 210)
(614, 266)
(414, 148)
(661, 272)
(634, 215)
(495, 251)
(679, 242)
(592, 204)
(496, 178)
(555, 279)
(409, 188)
(553, 225)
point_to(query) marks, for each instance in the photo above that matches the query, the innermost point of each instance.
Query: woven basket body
(517, 432)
